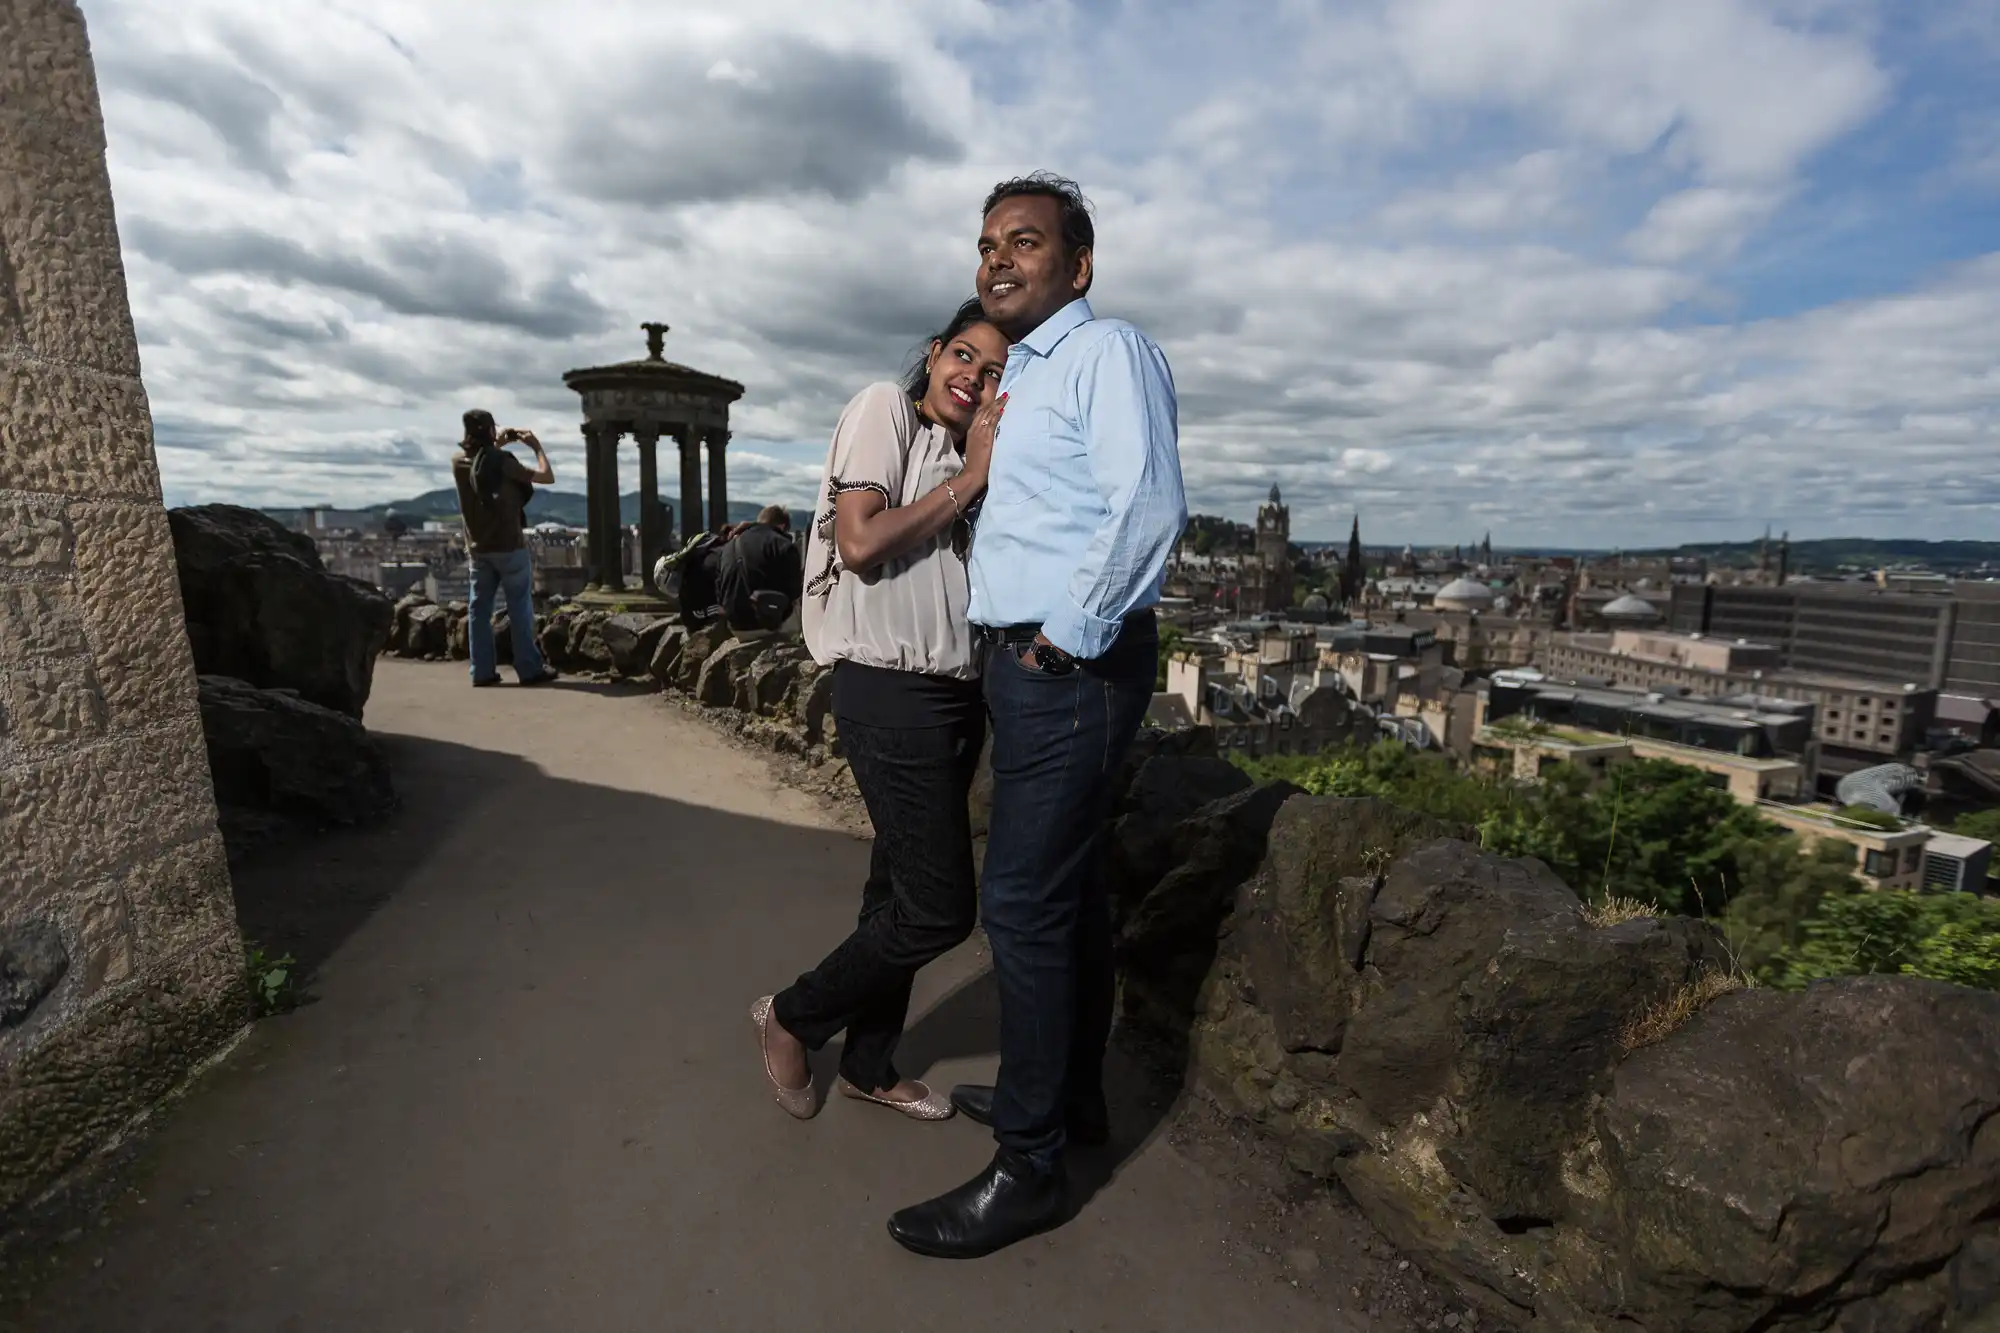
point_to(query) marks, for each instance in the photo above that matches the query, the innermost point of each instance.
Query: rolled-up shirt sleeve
(1125, 393)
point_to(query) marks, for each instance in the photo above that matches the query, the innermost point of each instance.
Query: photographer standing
(493, 488)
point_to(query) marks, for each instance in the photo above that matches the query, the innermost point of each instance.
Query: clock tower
(1274, 543)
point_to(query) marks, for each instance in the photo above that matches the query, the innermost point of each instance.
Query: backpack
(489, 476)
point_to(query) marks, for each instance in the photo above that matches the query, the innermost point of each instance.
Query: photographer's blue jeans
(513, 574)
(1058, 742)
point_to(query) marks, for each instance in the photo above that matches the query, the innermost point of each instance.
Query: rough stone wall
(120, 966)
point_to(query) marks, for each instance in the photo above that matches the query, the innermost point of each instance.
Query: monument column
(650, 536)
(593, 576)
(718, 482)
(610, 541)
(690, 515)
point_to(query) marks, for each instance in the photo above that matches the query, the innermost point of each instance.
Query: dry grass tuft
(1666, 1018)
(1615, 909)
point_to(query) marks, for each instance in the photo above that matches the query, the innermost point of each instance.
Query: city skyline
(1590, 275)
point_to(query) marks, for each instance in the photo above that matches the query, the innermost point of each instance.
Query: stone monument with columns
(647, 399)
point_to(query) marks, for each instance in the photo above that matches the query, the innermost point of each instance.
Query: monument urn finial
(655, 336)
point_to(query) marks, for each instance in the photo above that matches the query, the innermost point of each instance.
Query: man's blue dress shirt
(1084, 502)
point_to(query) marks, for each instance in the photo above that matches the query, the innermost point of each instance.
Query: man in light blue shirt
(1083, 505)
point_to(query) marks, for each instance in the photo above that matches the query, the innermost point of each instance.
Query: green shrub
(1658, 834)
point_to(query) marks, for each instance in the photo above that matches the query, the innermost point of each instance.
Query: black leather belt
(1020, 634)
(1015, 634)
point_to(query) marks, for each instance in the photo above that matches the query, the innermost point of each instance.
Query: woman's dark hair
(1078, 232)
(478, 423)
(917, 379)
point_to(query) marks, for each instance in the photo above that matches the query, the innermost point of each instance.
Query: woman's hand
(979, 444)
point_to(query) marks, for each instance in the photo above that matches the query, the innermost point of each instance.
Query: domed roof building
(1630, 610)
(1463, 595)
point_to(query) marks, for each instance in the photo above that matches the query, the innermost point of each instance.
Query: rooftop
(1956, 844)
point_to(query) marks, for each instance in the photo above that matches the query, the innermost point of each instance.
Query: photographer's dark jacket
(761, 558)
(492, 527)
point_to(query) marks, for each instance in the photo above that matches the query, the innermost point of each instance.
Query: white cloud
(1737, 94)
(1706, 219)
(1529, 192)
(1380, 244)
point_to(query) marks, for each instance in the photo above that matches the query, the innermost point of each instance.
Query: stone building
(1863, 719)
(120, 965)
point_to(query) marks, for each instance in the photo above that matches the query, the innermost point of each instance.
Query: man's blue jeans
(1058, 742)
(513, 573)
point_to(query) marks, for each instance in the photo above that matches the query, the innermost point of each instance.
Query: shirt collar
(1057, 327)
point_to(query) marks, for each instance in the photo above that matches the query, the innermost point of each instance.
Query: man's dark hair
(1078, 233)
(776, 516)
(917, 379)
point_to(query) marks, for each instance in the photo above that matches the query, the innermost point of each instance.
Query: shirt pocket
(1022, 457)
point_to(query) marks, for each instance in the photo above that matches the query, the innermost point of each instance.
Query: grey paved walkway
(527, 1096)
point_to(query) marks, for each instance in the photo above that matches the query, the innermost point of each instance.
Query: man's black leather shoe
(1009, 1201)
(1088, 1124)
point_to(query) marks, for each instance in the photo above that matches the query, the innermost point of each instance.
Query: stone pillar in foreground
(607, 535)
(651, 534)
(594, 577)
(691, 506)
(718, 479)
(120, 965)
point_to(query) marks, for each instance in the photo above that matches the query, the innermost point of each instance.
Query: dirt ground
(523, 1093)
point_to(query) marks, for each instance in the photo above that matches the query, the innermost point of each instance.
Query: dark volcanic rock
(1206, 857)
(399, 626)
(1788, 1156)
(770, 678)
(1139, 845)
(428, 634)
(631, 638)
(261, 608)
(1443, 1030)
(695, 652)
(666, 659)
(1195, 742)
(1302, 936)
(587, 648)
(814, 707)
(32, 961)
(716, 685)
(273, 754)
(553, 640)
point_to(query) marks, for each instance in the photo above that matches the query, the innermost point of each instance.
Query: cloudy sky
(1580, 272)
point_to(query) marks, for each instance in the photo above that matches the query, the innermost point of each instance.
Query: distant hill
(1832, 553)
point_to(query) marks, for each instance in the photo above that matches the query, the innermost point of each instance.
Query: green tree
(1778, 889)
(1171, 640)
(1979, 824)
(1964, 952)
(1944, 936)
(1984, 824)
(1661, 833)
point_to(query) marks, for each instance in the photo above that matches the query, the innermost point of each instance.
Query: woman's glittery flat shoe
(798, 1102)
(931, 1106)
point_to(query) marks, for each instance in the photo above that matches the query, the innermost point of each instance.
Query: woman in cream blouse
(885, 607)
